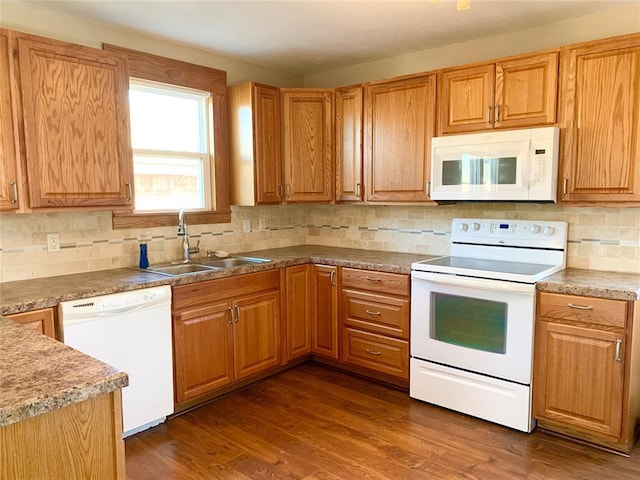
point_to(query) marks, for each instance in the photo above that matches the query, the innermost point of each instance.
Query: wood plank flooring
(315, 423)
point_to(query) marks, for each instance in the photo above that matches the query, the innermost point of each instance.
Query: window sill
(144, 220)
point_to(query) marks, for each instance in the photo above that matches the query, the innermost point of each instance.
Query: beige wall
(613, 22)
(40, 21)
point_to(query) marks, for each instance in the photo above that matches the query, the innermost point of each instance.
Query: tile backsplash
(599, 238)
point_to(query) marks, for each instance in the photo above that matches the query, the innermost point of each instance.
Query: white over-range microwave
(513, 165)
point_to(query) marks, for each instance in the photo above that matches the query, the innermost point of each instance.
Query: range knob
(548, 231)
(535, 229)
(476, 226)
(463, 227)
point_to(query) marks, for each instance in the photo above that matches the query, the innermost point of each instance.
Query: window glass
(170, 148)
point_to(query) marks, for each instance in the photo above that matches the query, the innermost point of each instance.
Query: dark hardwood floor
(312, 422)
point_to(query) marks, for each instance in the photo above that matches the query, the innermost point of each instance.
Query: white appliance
(473, 314)
(132, 332)
(514, 165)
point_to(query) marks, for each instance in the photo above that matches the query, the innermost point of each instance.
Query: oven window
(470, 170)
(469, 322)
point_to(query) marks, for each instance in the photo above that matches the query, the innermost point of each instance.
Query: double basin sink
(203, 265)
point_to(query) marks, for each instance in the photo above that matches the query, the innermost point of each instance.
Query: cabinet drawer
(377, 313)
(599, 311)
(377, 352)
(390, 283)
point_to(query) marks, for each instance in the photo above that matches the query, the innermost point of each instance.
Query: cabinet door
(8, 151)
(601, 108)
(256, 333)
(399, 122)
(466, 99)
(325, 311)
(202, 350)
(266, 104)
(76, 124)
(578, 380)
(526, 91)
(39, 320)
(349, 144)
(298, 311)
(308, 145)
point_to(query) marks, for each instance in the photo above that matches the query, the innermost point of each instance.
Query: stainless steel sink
(203, 265)
(180, 269)
(233, 262)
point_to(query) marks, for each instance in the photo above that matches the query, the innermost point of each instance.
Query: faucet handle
(195, 249)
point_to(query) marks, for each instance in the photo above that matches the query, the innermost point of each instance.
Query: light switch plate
(262, 224)
(246, 226)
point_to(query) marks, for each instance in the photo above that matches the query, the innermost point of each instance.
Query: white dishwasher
(132, 332)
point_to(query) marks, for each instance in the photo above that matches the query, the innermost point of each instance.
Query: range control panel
(539, 233)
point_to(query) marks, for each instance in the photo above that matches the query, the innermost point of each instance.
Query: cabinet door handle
(280, 190)
(332, 279)
(288, 190)
(371, 312)
(489, 115)
(129, 193)
(14, 186)
(497, 114)
(580, 307)
(565, 182)
(373, 279)
(231, 316)
(618, 348)
(237, 309)
(373, 352)
(358, 190)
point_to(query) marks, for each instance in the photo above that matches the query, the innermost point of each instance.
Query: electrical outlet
(262, 224)
(53, 242)
(246, 226)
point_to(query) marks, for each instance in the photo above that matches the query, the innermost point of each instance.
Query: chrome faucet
(184, 233)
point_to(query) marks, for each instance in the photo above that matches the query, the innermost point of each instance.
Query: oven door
(479, 325)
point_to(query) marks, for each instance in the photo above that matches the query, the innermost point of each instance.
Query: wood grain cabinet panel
(42, 321)
(601, 117)
(586, 363)
(399, 124)
(298, 311)
(308, 145)
(325, 311)
(349, 171)
(9, 186)
(376, 352)
(513, 93)
(255, 144)
(76, 124)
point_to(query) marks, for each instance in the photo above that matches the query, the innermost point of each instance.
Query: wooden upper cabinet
(399, 125)
(349, 144)
(600, 95)
(308, 145)
(514, 93)
(76, 124)
(466, 98)
(9, 199)
(255, 144)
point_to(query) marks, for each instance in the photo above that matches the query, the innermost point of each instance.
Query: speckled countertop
(25, 295)
(591, 283)
(39, 374)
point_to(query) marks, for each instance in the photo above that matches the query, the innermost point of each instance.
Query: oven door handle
(481, 283)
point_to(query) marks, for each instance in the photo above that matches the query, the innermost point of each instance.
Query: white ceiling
(311, 36)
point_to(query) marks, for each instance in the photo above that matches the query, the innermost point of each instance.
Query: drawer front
(389, 283)
(376, 352)
(599, 311)
(377, 313)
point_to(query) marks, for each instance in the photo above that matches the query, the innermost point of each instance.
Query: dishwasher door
(132, 332)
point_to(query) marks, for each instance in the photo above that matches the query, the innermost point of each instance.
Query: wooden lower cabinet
(325, 311)
(374, 322)
(39, 320)
(224, 331)
(82, 440)
(298, 290)
(586, 365)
